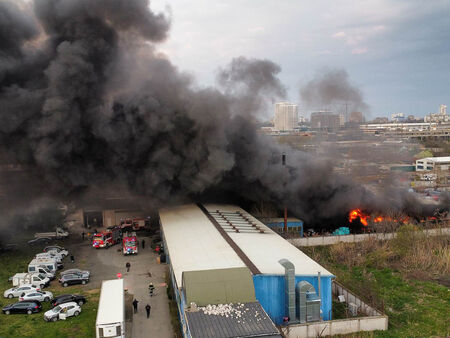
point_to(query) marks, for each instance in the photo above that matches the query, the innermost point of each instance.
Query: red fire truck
(129, 244)
(138, 223)
(126, 224)
(107, 238)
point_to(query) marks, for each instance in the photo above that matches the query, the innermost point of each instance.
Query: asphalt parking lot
(104, 264)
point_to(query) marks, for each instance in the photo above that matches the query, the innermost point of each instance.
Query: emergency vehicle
(138, 223)
(107, 238)
(129, 244)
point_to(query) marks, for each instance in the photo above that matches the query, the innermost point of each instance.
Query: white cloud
(361, 50)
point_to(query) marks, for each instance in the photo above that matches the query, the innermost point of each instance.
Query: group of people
(147, 307)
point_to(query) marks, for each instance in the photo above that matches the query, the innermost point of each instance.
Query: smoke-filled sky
(395, 51)
(88, 102)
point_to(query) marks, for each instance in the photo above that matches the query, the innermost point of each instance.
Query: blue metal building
(293, 225)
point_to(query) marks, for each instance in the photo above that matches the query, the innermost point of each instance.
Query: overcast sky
(396, 52)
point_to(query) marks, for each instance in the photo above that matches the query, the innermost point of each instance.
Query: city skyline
(395, 52)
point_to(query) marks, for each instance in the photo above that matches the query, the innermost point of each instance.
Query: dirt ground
(104, 264)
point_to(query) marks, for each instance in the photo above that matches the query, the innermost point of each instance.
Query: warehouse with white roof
(220, 254)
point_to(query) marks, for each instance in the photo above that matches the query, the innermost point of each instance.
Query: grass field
(406, 290)
(22, 325)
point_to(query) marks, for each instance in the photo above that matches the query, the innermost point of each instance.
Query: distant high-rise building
(286, 116)
(398, 117)
(325, 121)
(342, 119)
(441, 116)
(356, 117)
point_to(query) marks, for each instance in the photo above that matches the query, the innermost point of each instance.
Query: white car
(42, 296)
(50, 255)
(18, 291)
(56, 248)
(67, 309)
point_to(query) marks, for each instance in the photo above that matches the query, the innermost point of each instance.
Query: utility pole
(283, 163)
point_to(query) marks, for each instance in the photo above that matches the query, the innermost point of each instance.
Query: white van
(43, 270)
(50, 264)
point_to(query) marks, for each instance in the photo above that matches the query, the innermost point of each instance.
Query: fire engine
(107, 238)
(138, 223)
(126, 224)
(129, 246)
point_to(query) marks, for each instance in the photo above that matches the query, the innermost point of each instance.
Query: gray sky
(396, 52)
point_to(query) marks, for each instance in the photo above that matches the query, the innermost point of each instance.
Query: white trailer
(111, 310)
(58, 233)
(30, 278)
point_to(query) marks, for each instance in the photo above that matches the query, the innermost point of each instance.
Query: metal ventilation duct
(289, 288)
(308, 303)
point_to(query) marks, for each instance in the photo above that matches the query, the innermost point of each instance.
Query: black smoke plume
(86, 101)
(332, 89)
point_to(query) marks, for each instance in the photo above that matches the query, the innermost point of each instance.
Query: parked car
(79, 299)
(40, 240)
(20, 290)
(57, 248)
(23, 307)
(41, 296)
(69, 309)
(71, 278)
(79, 272)
(50, 255)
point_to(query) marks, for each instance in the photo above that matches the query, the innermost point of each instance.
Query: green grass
(22, 325)
(415, 308)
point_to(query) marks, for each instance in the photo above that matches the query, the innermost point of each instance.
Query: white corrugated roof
(265, 250)
(193, 243)
(111, 306)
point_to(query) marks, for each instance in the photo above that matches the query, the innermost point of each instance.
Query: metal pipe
(318, 286)
(283, 163)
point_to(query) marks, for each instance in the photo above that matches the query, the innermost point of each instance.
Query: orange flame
(357, 213)
(363, 217)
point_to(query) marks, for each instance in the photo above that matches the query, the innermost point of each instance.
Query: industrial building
(220, 254)
(433, 163)
(293, 225)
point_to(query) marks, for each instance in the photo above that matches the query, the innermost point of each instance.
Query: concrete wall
(329, 240)
(350, 297)
(334, 327)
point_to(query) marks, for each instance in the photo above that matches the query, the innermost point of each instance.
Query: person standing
(148, 308)
(72, 258)
(135, 304)
(82, 235)
(128, 266)
(151, 288)
(143, 244)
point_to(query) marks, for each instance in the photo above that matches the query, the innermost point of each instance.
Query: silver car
(20, 290)
(42, 296)
(82, 273)
(68, 309)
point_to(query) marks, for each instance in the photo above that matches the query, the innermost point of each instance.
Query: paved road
(106, 263)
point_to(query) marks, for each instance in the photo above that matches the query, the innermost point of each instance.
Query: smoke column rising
(332, 88)
(85, 100)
